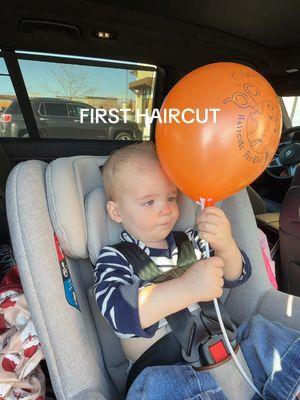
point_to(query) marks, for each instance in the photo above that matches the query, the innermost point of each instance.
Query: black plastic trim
(17, 80)
(82, 61)
(50, 149)
(33, 25)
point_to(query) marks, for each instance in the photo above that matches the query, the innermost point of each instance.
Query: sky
(42, 79)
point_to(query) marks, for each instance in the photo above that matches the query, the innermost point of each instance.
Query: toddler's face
(146, 202)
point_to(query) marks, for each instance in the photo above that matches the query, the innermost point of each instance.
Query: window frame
(12, 56)
(40, 107)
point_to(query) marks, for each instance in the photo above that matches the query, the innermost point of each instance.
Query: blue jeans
(271, 350)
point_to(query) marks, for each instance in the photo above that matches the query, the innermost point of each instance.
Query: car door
(87, 127)
(54, 120)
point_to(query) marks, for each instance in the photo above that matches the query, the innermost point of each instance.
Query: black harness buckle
(206, 344)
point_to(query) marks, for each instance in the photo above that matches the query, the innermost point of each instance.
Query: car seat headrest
(77, 207)
(68, 182)
(101, 229)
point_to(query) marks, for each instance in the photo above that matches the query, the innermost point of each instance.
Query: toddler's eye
(149, 203)
(172, 198)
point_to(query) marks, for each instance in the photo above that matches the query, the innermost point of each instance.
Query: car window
(74, 109)
(292, 105)
(97, 95)
(56, 109)
(9, 107)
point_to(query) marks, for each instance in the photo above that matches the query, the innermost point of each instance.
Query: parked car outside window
(58, 118)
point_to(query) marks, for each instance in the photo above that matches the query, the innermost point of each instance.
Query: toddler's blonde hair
(118, 160)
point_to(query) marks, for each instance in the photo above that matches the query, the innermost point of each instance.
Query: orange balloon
(207, 159)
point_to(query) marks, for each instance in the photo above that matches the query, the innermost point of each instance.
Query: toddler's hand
(214, 227)
(204, 280)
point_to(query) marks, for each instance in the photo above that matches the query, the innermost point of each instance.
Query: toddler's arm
(132, 309)
(214, 227)
(201, 282)
(116, 291)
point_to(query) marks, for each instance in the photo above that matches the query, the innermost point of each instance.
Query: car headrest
(77, 207)
(68, 182)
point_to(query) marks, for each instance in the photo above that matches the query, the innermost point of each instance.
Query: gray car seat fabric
(84, 357)
(68, 336)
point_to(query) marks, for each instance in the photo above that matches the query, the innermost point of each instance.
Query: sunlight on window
(292, 106)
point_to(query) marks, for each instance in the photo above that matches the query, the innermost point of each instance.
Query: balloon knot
(205, 202)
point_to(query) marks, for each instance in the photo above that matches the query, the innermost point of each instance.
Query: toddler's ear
(113, 211)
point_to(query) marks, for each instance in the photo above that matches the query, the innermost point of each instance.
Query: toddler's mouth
(166, 223)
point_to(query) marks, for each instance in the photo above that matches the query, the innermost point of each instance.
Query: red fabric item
(20, 350)
(3, 324)
(59, 252)
(11, 281)
(6, 303)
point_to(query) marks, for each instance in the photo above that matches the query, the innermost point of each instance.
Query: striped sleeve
(246, 273)
(116, 290)
(201, 253)
(198, 244)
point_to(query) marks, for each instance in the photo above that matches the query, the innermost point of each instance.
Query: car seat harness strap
(196, 339)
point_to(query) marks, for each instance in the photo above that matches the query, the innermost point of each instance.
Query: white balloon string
(228, 344)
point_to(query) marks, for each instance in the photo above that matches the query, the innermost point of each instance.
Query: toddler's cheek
(176, 213)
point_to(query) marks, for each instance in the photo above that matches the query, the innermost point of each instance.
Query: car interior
(51, 187)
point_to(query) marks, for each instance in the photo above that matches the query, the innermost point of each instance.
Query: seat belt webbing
(182, 323)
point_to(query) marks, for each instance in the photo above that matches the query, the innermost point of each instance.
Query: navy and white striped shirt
(116, 285)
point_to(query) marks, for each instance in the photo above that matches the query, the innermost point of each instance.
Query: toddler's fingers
(208, 227)
(206, 217)
(216, 216)
(213, 211)
(217, 261)
(207, 236)
(204, 224)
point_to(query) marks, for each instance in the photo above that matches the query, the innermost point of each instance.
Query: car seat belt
(195, 338)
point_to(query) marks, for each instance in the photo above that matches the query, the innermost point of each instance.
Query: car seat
(268, 221)
(289, 234)
(84, 356)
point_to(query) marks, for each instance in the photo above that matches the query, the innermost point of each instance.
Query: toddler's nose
(166, 209)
